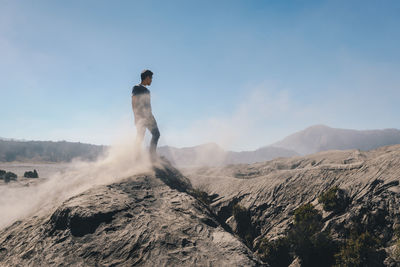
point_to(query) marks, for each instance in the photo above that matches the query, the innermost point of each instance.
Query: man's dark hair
(145, 74)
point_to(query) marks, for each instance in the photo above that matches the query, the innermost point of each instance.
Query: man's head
(146, 77)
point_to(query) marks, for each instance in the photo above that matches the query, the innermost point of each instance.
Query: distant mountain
(206, 154)
(213, 155)
(9, 139)
(203, 155)
(259, 155)
(320, 138)
(39, 151)
(311, 140)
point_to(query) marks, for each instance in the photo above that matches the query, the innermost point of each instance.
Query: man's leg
(153, 128)
(140, 131)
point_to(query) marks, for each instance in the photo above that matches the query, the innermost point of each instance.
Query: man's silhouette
(142, 111)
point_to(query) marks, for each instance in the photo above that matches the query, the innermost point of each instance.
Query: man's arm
(134, 102)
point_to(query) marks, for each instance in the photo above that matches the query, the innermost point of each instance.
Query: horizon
(203, 144)
(239, 74)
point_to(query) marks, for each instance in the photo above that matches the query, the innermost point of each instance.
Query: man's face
(148, 80)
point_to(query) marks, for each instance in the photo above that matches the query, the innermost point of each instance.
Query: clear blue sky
(241, 73)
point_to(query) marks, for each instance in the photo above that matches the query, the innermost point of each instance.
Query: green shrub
(276, 252)
(322, 251)
(397, 251)
(30, 174)
(244, 225)
(9, 176)
(305, 239)
(313, 247)
(307, 217)
(396, 231)
(334, 199)
(2, 173)
(360, 250)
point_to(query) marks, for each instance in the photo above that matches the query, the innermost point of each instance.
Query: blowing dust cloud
(120, 161)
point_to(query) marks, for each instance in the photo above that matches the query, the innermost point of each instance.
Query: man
(142, 111)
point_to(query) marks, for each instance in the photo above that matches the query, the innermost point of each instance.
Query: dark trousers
(151, 124)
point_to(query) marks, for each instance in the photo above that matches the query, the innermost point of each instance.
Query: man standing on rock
(142, 111)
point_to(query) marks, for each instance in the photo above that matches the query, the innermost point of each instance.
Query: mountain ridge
(313, 139)
(320, 137)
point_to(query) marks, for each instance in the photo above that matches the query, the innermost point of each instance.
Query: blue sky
(243, 74)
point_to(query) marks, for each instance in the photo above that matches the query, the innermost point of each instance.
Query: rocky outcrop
(369, 193)
(145, 220)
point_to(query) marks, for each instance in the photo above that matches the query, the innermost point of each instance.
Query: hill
(202, 155)
(213, 155)
(311, 140)
(321, 138)
(151, 219)
(47, 151)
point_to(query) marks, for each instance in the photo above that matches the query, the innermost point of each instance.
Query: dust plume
(121, 160)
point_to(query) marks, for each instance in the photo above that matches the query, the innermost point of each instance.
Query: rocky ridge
(150, 219)
(163, 218)
(271, 191)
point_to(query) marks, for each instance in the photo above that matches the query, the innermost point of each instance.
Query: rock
(156, 219)
(232, 223)
(368, 183)
(144, 220)
(295, 263)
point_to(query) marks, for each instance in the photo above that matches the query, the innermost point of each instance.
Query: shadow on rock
(171, 176)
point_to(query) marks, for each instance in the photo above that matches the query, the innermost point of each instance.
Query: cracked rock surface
(145, 220)
(272, 190)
